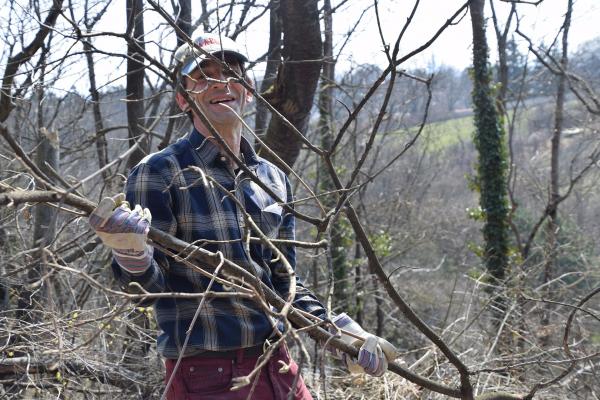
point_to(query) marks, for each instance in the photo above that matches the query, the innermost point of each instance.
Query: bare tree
(368, 169)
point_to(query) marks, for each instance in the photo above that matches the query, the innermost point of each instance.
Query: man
(230, 333)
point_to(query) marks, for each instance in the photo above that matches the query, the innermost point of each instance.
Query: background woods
(453, 211)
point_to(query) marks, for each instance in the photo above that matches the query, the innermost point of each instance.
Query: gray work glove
(125, 231)
(374, 353)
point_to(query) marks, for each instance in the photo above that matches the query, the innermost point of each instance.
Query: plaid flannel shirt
(182, 206)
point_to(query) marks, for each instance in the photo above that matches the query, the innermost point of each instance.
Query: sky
(453, 48)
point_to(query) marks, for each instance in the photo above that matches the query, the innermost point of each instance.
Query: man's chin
(222, 119)
(223, 111)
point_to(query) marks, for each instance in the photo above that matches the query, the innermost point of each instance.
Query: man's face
(220, 99)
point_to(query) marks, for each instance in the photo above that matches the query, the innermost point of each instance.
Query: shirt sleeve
(304, 298)
(148, 188)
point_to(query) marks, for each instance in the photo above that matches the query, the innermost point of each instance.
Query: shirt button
(192, 369)
(220, 369)
(223, 159)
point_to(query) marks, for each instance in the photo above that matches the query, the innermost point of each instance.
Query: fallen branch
(209, 259)
(212, 260)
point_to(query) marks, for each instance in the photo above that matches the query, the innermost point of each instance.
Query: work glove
(125, 231)
(374, 353)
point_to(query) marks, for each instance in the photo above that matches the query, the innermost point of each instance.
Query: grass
(442, 135)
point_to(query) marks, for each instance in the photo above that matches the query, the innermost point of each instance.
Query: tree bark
(101, 144)
(502, 40)
(273, 62)
(359, 285)
(184, 19)
(4, 286)
(184, 22)
(297, 78)
(135, 81)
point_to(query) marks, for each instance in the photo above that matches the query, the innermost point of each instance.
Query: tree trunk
(46, 156)
(297, 79)
(273, 62)
(4, 286)
(204, 17)
(183, 21)
(379, 331)
(135, 81)
(32, 295)
(502, 40)
(492, 164)
(552, 226)
(101, 144)
(341, 295)
(134, 351)
(358, 286)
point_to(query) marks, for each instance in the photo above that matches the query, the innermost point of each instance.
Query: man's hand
(375, 352)
(124, 230)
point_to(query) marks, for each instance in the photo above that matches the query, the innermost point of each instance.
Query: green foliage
(475, 274)
(514, 256)
(341, 169)
(495, 88)
(476, 214)
(382, 243)
(473, 182)
(345, 233)
(476, 249)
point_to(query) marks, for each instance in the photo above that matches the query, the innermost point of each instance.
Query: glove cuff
(132, 261)
(342, 320)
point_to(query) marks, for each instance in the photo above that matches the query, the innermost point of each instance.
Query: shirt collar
(209, 151)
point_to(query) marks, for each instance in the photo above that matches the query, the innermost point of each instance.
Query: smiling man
(230, 333)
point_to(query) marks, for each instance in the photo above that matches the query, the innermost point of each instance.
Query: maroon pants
(200, 378)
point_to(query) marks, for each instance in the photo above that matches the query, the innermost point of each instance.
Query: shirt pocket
(270, 220)
(264, 209)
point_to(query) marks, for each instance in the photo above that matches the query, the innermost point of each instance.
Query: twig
(566, 348)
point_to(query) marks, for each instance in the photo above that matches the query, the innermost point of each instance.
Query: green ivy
(489, 139)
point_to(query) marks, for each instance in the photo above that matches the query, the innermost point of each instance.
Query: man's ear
(249, 95)
(181, 102)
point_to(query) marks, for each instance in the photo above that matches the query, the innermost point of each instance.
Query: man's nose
(220, 78)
